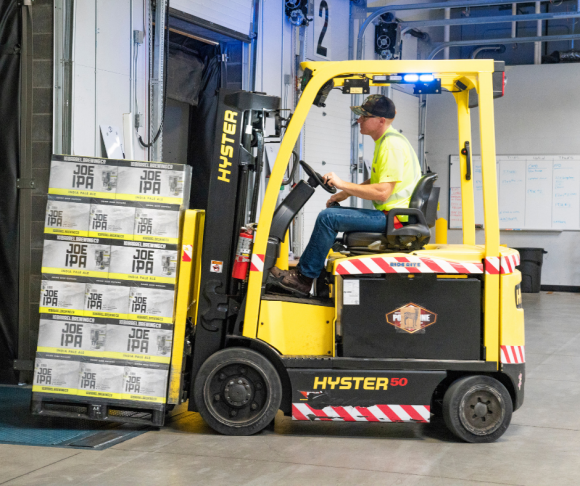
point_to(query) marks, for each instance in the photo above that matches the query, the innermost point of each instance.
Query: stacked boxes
(109, 271)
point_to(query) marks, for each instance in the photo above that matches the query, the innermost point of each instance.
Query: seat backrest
(425, 199)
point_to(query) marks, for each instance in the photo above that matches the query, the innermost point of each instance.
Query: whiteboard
(535, 192)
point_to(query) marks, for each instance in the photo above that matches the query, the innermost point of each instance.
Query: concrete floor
(541, 447)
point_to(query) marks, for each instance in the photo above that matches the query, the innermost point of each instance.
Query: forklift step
(126, 412)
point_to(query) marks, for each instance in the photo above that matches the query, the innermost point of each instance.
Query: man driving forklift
(394, 174)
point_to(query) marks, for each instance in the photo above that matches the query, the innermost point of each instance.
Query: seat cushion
(363, 239)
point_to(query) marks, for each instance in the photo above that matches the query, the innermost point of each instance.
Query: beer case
(140, 341)
(111, 219)
(72, 335)
(83, 176)
(106, 299)
(154, 182)
(142, 261)
(76, 255)
(55, 374)
(66, 215)
(100, 378)
(157, 223)
(149, 303)
(62, 297)
(146, 382)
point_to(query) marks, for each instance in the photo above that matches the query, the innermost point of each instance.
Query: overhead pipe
(378, 11)
(487, 48)
(509, 40)
(496, 19)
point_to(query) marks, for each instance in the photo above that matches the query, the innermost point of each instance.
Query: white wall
(540, 114)
(102, 71)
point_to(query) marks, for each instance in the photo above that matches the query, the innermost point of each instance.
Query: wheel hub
(481, 410)
(238, 391)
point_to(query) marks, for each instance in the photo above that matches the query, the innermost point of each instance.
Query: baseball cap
(376, 105)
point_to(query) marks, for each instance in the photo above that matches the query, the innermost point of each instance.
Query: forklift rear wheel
(477, 409)
(238, 391)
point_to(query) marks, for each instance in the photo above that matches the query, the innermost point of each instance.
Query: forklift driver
(395, 173)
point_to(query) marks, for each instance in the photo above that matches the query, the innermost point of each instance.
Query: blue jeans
(329, 223)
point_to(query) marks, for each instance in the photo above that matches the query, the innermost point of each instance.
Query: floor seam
(348, 468)
(46, 465)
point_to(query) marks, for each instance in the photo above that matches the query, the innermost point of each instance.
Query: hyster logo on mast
(227, 151)
(411, 318)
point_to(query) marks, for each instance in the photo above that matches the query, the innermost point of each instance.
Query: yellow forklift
(398, 329)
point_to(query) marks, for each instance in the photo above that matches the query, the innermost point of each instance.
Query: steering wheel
(317, 178)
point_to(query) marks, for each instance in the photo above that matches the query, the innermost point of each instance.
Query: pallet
(121, 411)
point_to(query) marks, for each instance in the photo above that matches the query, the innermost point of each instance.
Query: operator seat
(415, 234)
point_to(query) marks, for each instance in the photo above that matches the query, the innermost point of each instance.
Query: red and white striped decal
(513, 354)
(509, 263)
(376, 413)
(408, 264)
(257, 263)
(502, 265)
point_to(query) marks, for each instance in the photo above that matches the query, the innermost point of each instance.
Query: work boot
(291, 280)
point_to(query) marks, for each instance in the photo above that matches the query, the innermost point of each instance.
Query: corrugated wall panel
(233, 14)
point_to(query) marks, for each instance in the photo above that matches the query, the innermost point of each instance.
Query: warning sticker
(351, 292)
(216, 266)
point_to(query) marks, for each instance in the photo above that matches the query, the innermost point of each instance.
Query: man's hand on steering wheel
(337, 198)
(333, 180)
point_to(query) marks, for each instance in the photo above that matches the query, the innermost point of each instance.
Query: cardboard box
(158, 223)
(55, 374)
(111, 219)
(67, 215)
(107, 300)
(73, 335)
(145, 382)
(154, 182)
(100, 378)
(141, 261)
(151, 304)
(62, 297)
(76, 255)
(83, 176)
(140, 341)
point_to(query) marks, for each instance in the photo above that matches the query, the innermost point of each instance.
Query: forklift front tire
(477, 409)
(238, 391)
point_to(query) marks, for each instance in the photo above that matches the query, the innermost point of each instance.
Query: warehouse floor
(540, 447)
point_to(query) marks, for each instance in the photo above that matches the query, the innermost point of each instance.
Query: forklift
(399, 329)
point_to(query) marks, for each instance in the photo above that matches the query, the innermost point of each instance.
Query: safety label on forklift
(351, 292)
(216, 266)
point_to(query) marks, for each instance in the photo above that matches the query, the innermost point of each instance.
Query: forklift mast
(234, 168)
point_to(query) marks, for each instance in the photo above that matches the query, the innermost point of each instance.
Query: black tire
(477, 409)
(237, 391)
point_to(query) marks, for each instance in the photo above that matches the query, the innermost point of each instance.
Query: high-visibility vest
(403, 189)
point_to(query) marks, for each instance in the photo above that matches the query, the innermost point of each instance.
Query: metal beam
(508, 40)
(496, 19)
(378, 11)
